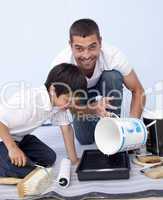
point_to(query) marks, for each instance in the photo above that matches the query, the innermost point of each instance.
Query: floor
(136, 183)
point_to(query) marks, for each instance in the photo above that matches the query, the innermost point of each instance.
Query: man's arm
(132, 83)
(68, 136)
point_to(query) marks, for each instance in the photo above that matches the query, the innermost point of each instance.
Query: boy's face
(86, 50)
(63, 101)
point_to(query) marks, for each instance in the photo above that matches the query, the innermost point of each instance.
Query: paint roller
(63, 178)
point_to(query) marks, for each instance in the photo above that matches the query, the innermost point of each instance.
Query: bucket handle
(150, 124)
(113, 114)
(147, 126)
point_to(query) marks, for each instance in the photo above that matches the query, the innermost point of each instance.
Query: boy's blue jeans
(109, 84)
(34, 149)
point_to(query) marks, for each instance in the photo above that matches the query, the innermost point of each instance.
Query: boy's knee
(51, 158)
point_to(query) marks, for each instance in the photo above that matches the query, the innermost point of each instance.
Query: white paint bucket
(113, 135)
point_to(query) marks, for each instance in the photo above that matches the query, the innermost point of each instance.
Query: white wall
(32, 32)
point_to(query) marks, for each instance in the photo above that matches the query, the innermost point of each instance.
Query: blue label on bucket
(130, 130)
(134, 127)
(138, 128)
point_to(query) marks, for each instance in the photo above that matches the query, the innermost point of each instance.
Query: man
(106, 70)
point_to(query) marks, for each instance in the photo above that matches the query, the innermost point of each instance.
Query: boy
(31, 109)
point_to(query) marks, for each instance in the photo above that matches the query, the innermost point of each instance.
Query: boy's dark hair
(65, 78)
(84, 28)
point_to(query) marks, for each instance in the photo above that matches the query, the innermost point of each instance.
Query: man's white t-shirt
(28, 109)
(110, 58)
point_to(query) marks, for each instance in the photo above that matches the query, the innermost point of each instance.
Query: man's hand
(17, 157)
(99, 107)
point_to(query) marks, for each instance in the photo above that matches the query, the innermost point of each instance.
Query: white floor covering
(136, 183)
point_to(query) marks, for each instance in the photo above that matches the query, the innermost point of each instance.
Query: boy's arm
(16, 155)
(68, 136)
(97, 108)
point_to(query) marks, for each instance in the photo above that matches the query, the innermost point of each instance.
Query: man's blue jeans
(35, 150)
(109, 84)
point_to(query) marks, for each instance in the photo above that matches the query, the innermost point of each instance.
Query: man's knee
(112, 77)
(83, 138)
(86, 141)
(111, 84)
(84, 131)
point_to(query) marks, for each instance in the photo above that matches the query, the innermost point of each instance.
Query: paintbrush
(9, 180)
(36, 182)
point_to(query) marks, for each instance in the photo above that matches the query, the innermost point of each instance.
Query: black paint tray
(94, 165)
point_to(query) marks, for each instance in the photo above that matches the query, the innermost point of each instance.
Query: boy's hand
(17, 157)
(76, 162)
(100, 106)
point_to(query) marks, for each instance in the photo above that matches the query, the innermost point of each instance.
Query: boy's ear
(52, 90)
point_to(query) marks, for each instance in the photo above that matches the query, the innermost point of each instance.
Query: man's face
(86, 50)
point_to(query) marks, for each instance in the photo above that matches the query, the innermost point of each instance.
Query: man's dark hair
(84, 28)
(65, 78)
